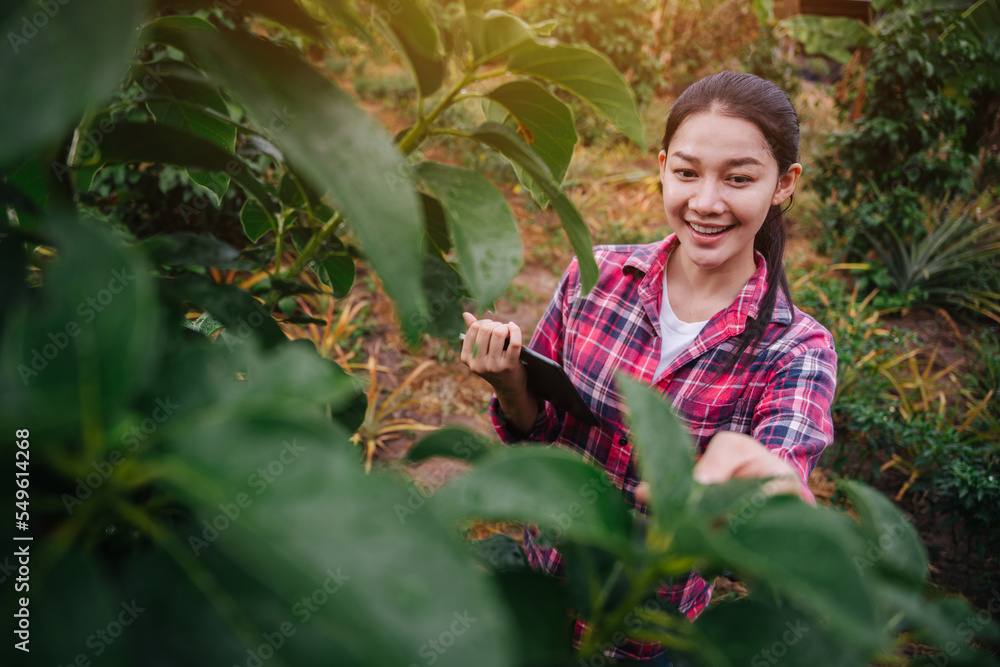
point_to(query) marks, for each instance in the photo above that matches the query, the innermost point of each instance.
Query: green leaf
(187, 249)
(321, 131)
(589, 75)
(451, 442)
(151, 142)
(337, 273)
(831, 36)
(553, 488)
(344, 11)
(544, 122)
(175, 31)
(496, 34)
(483, 230)
(513, 148)
(55, 68)
(539, 604)
(501, 553)
(242, 314)
(446, 295)
(892, 537)
(189, 105)
(416, 38)
(435, 223)
(256, 221)
(88, 340)
(759, 631)
(286, 12)
(664, 451)
(399, 581)
(809, 557)
(73, 600)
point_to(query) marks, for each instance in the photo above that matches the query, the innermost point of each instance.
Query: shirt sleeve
(547, 340)
(793, 418)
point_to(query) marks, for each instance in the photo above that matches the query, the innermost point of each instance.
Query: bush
(918, 117)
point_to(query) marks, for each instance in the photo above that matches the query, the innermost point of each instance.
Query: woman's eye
(741, 180)
(685, 173)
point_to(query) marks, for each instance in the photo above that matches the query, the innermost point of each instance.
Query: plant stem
(315, 242)
(419, 131)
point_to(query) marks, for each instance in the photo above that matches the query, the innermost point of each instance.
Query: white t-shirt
(675, 335)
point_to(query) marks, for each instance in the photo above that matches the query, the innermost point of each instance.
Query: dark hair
(764, 104)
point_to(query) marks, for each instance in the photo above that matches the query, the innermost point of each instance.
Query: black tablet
(547, 380)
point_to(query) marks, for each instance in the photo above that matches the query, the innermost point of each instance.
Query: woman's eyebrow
(735, 162)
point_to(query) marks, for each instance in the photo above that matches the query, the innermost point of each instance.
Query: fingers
(738, 456)
(490, 346)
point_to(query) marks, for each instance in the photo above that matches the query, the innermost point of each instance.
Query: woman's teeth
(708, 230)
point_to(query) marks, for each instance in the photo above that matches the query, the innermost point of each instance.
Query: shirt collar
(651, 259)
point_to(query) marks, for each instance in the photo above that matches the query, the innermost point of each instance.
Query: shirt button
(623, 441)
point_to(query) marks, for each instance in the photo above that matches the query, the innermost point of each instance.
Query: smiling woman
(704, 316)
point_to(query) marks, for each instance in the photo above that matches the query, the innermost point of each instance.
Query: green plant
(918, 96)
(187, 460)
(952, 260)
(615, 559)
(620, 29)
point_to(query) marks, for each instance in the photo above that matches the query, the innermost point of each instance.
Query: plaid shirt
(780, 396)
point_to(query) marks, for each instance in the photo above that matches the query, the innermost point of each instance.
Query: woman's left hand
(731, 455)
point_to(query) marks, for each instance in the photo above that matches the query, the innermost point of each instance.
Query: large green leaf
(496, 34)
(287, 12)
(68, 607)
(588, 74)
(409, 27)
(564, 495)
(84, 344)
(256, 220)
(482, 228)
(515, 149)
(152, 142)
(831, 36)
(452, 443)
(758, 631)
(334, 145)
(806, 555)
(389, 584)
(183, 98)
(242, 314)
(544, 122)
(893, 541)
(664, 451)
(59, 59)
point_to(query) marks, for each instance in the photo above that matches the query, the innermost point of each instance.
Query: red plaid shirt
(780, 396)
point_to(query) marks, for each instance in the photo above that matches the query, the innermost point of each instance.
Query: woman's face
(719, 181)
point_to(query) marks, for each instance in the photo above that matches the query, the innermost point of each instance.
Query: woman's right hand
(483, 352)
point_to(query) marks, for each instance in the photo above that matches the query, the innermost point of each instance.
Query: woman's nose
(707, 199)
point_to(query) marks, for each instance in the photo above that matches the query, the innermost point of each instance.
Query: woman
(705, 316)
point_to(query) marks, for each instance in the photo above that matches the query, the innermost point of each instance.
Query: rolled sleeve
(793, 418)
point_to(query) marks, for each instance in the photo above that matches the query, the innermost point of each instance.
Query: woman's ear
(786, 184)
